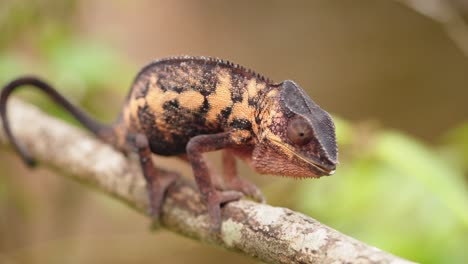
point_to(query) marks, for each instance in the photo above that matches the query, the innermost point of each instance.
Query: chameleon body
(185, 106)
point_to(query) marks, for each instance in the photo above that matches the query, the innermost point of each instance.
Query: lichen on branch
(271, 234)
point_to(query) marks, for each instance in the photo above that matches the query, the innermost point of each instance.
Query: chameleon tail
(99, 129)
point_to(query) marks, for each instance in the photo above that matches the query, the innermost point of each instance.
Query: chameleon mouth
(319, 167)
(322, 169)
(326, 171)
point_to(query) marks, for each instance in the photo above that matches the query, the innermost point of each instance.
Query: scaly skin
(186, 106)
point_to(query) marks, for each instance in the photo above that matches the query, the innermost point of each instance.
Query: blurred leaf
(76, 68)
(416, 160)
(344, 132)
(398, 196)
(10, 65)
(457, 142)
(88, 63)
(17, 17)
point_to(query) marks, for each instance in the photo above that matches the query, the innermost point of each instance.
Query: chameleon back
(173, 100)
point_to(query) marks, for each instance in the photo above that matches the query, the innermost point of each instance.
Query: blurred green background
(394, 75)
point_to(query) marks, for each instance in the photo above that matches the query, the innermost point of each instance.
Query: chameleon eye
(299, 131)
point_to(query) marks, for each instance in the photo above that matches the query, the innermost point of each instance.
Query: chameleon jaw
(320, 168)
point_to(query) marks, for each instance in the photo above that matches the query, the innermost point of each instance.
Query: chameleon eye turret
(186, 106)
(299, 131)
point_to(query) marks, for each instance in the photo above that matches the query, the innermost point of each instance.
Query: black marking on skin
(166, 64)
(160, 81)
(205, 92)
(181, 124)
(205, 107)
(157, 142)
(258, 120)
(192, 87)
(179, 142)
(146, 117)
(241, 123)
(252, 102)
(226, 112)
(237, 83)
(172, 105)
(199, 116)
(174, 115)
(142, 91)
(236, 97)
(177, 89)
(209, 80)
(223, 116)
(184, 126)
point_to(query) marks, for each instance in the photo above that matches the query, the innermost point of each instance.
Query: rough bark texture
(272, 234)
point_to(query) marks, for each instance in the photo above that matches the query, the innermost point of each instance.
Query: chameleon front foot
(214, 201)
(234, 182)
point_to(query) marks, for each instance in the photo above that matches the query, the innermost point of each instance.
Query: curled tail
(99, 129)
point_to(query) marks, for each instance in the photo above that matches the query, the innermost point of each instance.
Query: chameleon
(186, 106)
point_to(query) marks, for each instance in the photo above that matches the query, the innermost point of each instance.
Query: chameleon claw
(214, 203)
(156, 192)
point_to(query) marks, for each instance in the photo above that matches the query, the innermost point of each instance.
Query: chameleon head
(298, 137)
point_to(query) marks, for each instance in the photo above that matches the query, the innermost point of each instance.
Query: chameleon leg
(212, 197)
(218, 183)
(156, 182)
(234, 182)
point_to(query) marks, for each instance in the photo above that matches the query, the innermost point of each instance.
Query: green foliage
(457, 147)
(77, 68)
(396, 193)
(55, 52)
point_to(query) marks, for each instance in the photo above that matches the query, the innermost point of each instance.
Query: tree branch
(272, 234)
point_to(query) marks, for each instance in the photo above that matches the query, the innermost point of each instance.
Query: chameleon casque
(186, 106)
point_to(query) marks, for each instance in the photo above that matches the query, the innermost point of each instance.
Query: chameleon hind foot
(157, 181)
(157, 191)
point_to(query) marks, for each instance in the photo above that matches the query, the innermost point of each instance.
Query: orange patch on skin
(272, 93)
(191, 100)
(153, 80)
(252, 87)
(157, 97)
(240, 136)
(221, 98)
(242, 110)
(260, 86)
